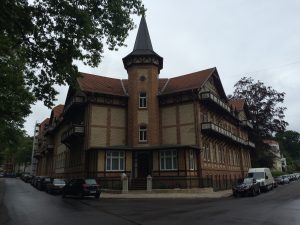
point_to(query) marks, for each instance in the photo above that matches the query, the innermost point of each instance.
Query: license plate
(92, 192)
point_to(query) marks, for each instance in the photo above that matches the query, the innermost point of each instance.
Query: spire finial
(143, 41)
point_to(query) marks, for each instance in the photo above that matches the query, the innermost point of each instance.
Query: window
(214, 152)
(206, 153)
(204, 117)
(143, 133)
(143, 100)
(115, 160)
(192, 159)
(168, 160)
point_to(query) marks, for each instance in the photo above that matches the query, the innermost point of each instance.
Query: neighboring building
(182, 131)
(35, 149)
(279, 162)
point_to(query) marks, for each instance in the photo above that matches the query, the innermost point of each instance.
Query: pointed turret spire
(143, 41)
(143, 47)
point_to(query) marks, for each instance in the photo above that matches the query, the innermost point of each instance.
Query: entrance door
(144, 167)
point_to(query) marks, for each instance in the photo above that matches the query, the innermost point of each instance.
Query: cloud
(239, 37)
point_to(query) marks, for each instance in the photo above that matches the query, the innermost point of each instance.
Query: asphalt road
(28, 206)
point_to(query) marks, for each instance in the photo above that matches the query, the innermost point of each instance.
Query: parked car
(55, 186)
(263, 176)
(81, 188)
(42, 183)
(246, 187)
(275, 183)
(286, 179)
(32, 180)
(279, 180)
(26, 177)
(10, 175)
(37, 180)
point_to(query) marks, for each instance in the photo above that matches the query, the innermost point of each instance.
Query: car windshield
(90, 181)
(248, 181)
(256, 175)
(58, 181)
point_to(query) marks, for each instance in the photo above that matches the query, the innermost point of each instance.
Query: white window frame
(192, 159)
(143, 100)
(163, 157)
(110, 157)
(143, 133)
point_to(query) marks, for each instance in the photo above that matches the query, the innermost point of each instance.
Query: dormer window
(143, 100)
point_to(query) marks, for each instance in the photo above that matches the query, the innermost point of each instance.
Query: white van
(263, 176)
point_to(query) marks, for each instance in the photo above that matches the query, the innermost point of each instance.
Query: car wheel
(253, 192)
(258, 191)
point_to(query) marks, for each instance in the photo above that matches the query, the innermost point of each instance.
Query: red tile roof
(100, 84)
(237, 104)
(188, 81)
(43, 124)
(112, 86)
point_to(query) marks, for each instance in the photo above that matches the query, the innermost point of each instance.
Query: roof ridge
(96, 75)
(162, 90)
(122, 84)
(213, 70)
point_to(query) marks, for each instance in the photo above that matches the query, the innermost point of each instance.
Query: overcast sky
(240, 38)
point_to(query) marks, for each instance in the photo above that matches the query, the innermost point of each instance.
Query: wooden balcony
(72, 134)
(246, 124)
(217, 130)
(217, 102)
(74, 103)
(37, 154)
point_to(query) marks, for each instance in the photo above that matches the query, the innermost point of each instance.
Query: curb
(174, 195)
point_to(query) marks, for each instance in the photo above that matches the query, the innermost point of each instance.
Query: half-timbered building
(181, 131)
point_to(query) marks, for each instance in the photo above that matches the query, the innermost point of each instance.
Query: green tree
(23, 151)
(289, 142)
(40, 42)
(263, 103)
(50, 35)
(267, 115)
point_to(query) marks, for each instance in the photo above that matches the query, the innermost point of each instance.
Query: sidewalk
(4, 218)
(170, 194)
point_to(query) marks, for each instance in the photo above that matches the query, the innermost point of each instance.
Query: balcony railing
(37, 154)
(73, 131)
(246, 123)
(251, 144)
(217, 101)
(213, 127)
(50, 147)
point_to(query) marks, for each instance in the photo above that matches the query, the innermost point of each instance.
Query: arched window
(143, 133)
(143, 100)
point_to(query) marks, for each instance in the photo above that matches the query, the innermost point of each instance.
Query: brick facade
(194, 136)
